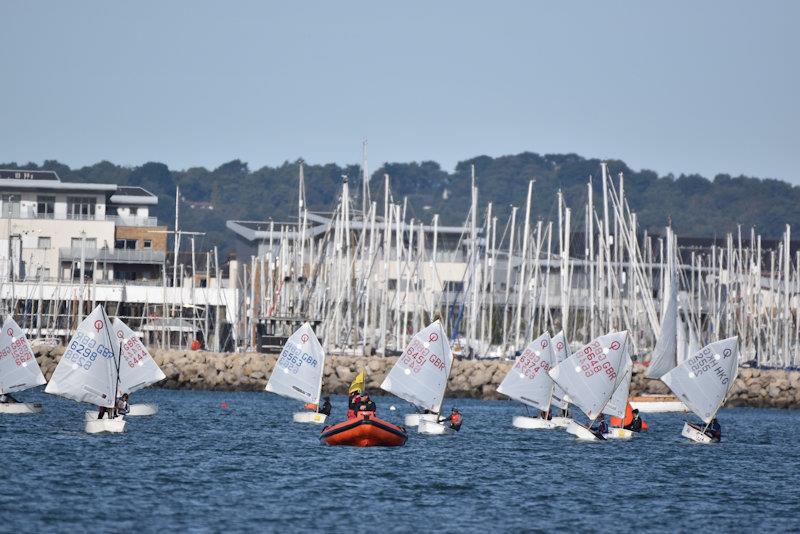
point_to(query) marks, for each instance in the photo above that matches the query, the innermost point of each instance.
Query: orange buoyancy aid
(455, 418)
(310, 406)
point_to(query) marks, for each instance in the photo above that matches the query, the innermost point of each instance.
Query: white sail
(561, 352)
(665, 354)
(682, 353)
(591, 375)
(137, 369)
(616, 405)
(421, 372)
(527, 381)
(298, 372)
(87, 372)
(703, 381)
(18, 367)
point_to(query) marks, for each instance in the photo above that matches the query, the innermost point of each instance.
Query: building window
(111, 210)
(129, 244)
(147, 243)
(81, 207)
(42, 273)
(10, 206)
(88, 243)
(44, 242)
(45, 207)
(133, 210)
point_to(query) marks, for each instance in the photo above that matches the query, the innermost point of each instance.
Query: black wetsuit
(635, 425)
(326, 408)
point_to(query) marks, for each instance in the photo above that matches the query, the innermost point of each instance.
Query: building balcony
(119, 220)
(112, 255)
(133, 220)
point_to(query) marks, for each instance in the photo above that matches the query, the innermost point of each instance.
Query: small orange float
(364, 430)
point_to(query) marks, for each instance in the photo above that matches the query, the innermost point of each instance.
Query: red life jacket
(455, 419)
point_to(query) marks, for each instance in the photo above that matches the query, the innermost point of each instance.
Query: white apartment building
(48, 226)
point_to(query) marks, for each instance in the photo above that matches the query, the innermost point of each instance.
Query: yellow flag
(358, 384)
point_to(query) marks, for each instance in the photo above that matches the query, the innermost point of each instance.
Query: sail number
(706, 361)
(293, 358)
(133, 351)
(530, 364)
(83, 350)
(592, 361)
(18, 350)
(416, 356)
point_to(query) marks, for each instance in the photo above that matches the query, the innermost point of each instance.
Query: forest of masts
(376, 276)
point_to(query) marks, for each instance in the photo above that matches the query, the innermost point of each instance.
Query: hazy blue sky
(690, 86)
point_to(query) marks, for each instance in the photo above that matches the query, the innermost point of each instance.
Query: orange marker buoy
(224, 405)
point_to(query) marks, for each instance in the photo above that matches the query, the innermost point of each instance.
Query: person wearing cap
(636, 423)
(326, 407)
(455, 419)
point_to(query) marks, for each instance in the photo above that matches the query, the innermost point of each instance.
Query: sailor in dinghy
(703, 382)
(618, 403)
(19, 370)
(89, 370)
(590, 376)
(528, 382)
(138, 369)
(297, 374)
(420, 376)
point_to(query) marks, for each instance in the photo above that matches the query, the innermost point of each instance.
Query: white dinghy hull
(658, 404)
(581, 432)
(413, 419)
(21, 407)
(142, 410)
(98, 426)
(532, 423)
(309, 417)
(618, 433)
(561, 422)
(695, 435)
(433, 428)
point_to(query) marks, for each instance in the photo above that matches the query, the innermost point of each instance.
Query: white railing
(112, 255)
(120, 220)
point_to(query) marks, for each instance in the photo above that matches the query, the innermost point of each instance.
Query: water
(201, 467)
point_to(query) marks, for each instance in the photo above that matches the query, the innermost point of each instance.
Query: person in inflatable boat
(455, 419)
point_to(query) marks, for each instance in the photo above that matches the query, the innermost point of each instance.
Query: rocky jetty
(469, 378)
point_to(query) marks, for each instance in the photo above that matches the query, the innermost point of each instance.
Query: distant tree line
(697, 206)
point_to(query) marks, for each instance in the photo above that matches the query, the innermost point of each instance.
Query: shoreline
(757, 388)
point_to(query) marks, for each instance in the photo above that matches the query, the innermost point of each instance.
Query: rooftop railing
(112, 255)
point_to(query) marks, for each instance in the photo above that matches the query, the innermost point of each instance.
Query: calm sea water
(202, 467)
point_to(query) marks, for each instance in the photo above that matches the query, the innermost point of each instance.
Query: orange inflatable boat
(364, 430)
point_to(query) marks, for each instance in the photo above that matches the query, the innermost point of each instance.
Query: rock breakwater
(468, 378)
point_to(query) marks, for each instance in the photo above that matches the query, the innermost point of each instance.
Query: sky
(681, 86)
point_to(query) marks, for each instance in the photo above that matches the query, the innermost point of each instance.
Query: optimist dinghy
(590, 377)
(617, 405)
(420, 377)
(298, 373)
(138, 369)
(703, 382)
(89, 370)
(528, 382)
(560, 397)
(18, 369)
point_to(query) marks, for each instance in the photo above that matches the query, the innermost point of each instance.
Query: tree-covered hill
(698, 207)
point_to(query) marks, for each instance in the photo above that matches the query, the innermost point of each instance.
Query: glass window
(44, 242)
(147, 243)
(133, 211)
(89, 243)
(119, 243)
(45, 206)
(81, 207)
(42, 272)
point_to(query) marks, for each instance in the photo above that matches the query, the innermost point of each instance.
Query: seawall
(468, 378)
